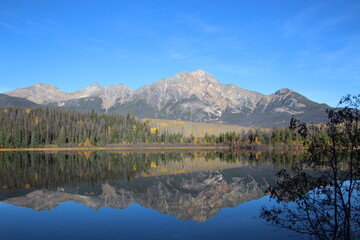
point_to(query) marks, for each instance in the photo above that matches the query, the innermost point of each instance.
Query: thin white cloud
(322, 45)
(98, 41)
(307, 25)
(53, 23)
(177, 56)
(302, 23)
(9, 27)
(199, 24)
(181, 48)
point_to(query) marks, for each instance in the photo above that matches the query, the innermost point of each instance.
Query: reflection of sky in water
(211, 182)
(74, 221)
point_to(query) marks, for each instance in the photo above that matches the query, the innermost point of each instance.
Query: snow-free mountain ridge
(194, 96)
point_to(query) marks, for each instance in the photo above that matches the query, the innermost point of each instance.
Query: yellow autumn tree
(87, 143)
(36, 120)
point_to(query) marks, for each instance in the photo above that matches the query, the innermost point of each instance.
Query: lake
(138, 195)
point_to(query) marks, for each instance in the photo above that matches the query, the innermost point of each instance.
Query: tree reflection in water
(325, 205)
(37, 170)
(187, 185)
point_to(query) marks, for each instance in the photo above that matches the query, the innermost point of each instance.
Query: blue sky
(312, 47)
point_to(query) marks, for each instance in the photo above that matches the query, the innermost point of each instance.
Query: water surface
(143, 195)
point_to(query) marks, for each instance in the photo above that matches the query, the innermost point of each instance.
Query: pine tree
(2, 138)
(7, 140)
(34, 139)
(62, 137)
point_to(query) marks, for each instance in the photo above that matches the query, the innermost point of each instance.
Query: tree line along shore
(55, 128)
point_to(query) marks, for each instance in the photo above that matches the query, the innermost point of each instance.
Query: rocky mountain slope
(195, 96)
(6, 101)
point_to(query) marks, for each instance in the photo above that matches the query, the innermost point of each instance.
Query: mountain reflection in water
(195, 185)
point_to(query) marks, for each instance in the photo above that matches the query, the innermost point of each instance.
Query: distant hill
(195, 96)
(197, 129)
(6, 100)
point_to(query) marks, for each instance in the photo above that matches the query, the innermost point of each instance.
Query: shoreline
(133, 147)
(241, 147)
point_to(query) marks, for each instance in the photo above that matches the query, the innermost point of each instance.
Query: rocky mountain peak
(203, 76)
(40, 93)
(196, 78)
(47, 86)
(283, 91)
(95, 85)
(42, 85)
(117, 86)
(92, 90)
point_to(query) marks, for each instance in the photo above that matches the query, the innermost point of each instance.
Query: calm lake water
(168, 195)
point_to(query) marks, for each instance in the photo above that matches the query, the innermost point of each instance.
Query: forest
(49, 127)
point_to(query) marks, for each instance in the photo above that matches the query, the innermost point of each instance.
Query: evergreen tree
(34, 140)
(62, 137)
(2, 138)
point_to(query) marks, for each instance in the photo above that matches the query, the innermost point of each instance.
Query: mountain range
(195, 96)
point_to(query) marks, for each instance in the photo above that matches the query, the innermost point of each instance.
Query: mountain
(6, 101)
(40, 93)
(277, 109)
(108, 95)
(195, 96)
(92, 97)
